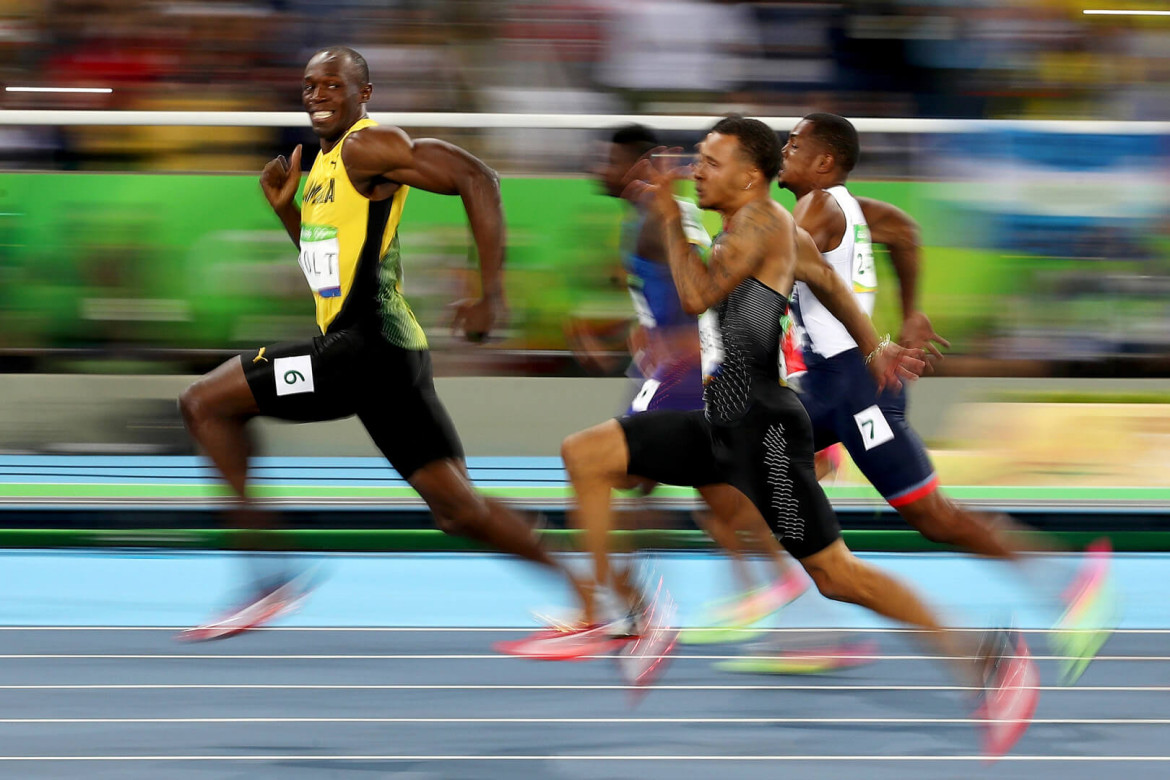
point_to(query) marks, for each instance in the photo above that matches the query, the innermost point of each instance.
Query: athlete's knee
(462, 519)
(844, 580)
(194, 404)
(938, 520)
(592, 452)
(828, 583)
(459, 523)
(458, 508)
(577, 452)
(461, 514)
(222, 394)
(449, 524)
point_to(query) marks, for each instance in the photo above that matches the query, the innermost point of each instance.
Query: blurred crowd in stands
(906, 58)
(1041, 248)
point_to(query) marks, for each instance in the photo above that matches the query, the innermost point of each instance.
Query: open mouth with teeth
(320, 116)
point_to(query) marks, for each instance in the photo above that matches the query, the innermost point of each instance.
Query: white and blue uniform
(838, 391)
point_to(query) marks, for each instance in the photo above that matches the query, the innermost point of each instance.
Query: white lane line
(678, 757)
(582, 721)
(498, 656)
(529, 629)
(510, 687)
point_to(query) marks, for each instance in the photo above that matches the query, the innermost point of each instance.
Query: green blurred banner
(198, 261)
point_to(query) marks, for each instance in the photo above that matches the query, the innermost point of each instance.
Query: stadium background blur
(150, 250)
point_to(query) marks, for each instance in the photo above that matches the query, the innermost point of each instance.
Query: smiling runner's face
(334, 95)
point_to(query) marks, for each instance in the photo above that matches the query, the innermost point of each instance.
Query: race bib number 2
(293, 375)
(864, 270)
(320, 259)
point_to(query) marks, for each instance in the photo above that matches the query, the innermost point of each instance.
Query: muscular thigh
(404, 416)
(874, 430)
(670, 447)
(768, 455)
(305, 381)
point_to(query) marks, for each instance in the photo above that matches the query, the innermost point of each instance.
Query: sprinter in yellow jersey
(371, 358)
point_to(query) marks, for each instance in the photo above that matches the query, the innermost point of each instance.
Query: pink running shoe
(731, 620)
(1010, 693)
(761, 603)
(1090, 616)
(261, 610)
(803, 654)
(642, 661)
(569, 643)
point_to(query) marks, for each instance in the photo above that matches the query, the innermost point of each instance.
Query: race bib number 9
(293, 375)
(320, 259)
(711, 345)
(864, 271)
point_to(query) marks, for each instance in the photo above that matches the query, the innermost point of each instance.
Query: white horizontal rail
(497, 121)
(1123, 12)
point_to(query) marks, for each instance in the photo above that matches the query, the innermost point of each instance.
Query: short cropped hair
(354, 57)
(639, 138)
(758, 141)
(839, 134)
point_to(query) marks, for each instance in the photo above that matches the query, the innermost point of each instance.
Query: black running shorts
(767, 454)
(355, 371)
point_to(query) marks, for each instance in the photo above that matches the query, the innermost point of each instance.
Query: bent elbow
(693, 306)
(488, 178)
(906, 238)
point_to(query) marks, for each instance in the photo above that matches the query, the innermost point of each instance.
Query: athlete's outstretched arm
(382, 155)
(897, 230)
(888, 362)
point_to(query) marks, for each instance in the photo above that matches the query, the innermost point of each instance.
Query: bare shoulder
(781, 215)
(817, 204)
(764, 214)
(381, 147)
(819, 213)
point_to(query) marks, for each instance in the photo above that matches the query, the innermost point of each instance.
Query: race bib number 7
(320, 259)
(874, 428)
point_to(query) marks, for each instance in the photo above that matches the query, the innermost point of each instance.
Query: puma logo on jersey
(260, 356)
